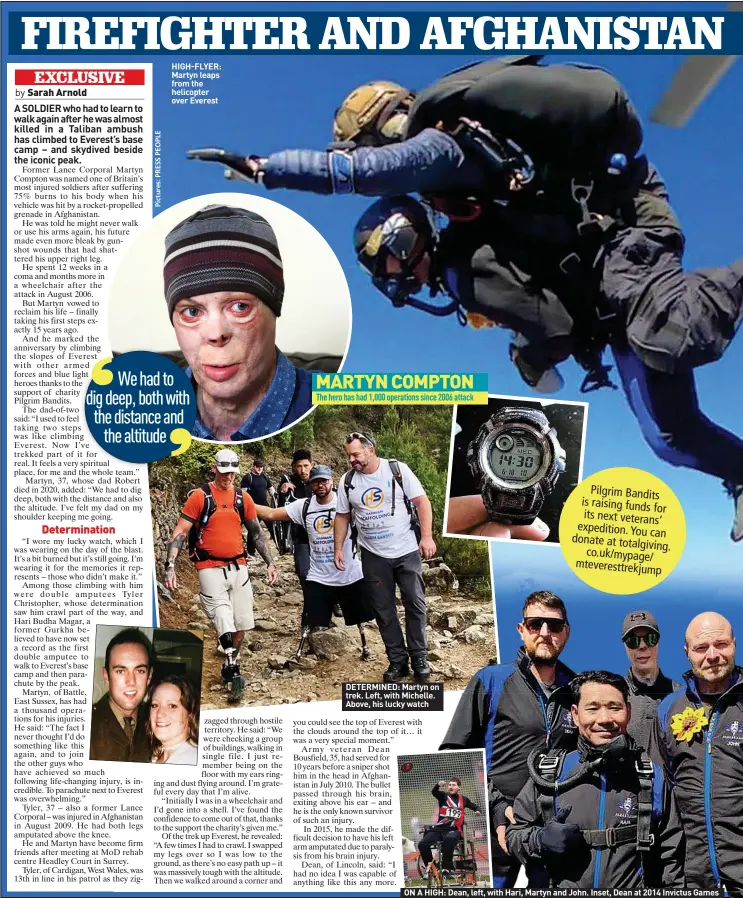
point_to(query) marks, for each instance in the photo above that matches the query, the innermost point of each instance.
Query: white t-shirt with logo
(319, 525)
(371, 509)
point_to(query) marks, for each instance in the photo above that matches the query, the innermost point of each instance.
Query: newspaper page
(372, 449)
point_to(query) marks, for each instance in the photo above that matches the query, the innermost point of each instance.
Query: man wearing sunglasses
(511, 709)
(385, 502)
(211, 524)
(648, 686)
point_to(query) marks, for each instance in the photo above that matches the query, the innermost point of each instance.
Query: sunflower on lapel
(688, 723)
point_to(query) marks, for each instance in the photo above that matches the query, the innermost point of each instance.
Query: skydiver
(549, 155)
(396, 240)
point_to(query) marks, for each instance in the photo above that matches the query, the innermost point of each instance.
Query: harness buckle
(570, 264)
(644, 766)
(646, 844)
(581, 193)
(548, 764)
(611, 837)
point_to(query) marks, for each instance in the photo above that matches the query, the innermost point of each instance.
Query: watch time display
(516, 455)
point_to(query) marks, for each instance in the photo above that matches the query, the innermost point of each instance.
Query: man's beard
(710, 679)
(543, 660)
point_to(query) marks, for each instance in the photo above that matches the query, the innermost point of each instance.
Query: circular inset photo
(247, 297)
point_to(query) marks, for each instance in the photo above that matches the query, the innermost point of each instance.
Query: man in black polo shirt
(648, 685)
(258, 487)
(292, 487)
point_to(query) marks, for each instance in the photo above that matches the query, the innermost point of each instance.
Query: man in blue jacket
(511, 709)
(701, 731)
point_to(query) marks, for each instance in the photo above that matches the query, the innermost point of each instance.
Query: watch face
(516, 455)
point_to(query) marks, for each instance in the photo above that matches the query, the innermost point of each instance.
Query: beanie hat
(223, 248)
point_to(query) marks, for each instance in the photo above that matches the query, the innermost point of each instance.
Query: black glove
(235, 162)
(559, 838)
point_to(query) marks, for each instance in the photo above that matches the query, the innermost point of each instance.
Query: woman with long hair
(173, 722)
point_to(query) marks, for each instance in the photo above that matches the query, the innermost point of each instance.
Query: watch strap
(516, 506)
(522, 506)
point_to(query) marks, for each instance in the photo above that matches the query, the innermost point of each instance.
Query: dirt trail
(267, 659)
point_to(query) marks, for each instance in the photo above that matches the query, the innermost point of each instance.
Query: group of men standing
(352, 548)
(603, 781)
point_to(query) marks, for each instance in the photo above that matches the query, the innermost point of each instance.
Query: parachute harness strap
(501, 155)
(597, 377)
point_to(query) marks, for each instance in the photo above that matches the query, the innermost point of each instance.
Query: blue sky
(282, 102)
(268, 103)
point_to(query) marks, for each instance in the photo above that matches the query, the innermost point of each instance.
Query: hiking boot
(735, 491)
(396, 672)
(421, 670)
(235, 689)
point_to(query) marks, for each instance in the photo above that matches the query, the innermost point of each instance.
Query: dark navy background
(732, 28)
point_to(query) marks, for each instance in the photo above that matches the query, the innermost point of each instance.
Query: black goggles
(535, 624)
(227, 464)
(634, 642)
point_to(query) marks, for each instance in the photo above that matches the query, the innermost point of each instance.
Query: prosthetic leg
(231, 669)
(306, 630)
(366, 655)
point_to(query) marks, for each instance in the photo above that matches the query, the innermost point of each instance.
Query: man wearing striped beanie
(224, 285)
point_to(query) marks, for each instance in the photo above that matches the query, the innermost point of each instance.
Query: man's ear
(104, 674)
(574, 713)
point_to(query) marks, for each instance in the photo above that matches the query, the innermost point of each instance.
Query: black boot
(421, 670)
(735, 491)
(396, 672)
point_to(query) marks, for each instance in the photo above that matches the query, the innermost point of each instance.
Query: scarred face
(228, 340)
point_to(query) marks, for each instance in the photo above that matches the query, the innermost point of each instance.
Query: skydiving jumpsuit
(571, 120)
(604, 800)
(665, 404)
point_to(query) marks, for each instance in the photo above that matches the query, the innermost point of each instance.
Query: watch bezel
(484, 452)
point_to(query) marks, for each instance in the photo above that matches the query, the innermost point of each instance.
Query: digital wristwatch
(516, 460)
